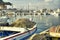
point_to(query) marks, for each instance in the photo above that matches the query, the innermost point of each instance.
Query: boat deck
(18, 29)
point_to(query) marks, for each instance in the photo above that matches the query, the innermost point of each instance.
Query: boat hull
(22, 36)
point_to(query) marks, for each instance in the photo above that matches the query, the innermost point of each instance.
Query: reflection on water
(43, 22)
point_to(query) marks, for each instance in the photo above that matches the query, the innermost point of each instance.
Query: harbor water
(43, 22)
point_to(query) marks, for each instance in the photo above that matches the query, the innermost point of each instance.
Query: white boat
(55, 14)
(17, 33)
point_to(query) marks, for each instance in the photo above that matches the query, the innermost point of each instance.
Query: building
(3, 5)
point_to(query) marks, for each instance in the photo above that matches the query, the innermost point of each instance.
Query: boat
(21, 29)
(3, 21)
(56, 14)
(52, 33)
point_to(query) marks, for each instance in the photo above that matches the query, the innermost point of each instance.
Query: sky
(35, 4)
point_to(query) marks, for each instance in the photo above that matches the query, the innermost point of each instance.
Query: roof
(5, 3)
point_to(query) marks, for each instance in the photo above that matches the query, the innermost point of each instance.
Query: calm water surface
(43, 22)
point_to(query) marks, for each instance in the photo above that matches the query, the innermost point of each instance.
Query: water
(43, 22)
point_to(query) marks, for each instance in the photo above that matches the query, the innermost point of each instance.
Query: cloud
(48, 0)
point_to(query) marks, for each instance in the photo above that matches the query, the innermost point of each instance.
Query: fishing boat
(52, 33)
(21, 29)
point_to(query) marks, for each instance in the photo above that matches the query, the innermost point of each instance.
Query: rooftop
(5, 3)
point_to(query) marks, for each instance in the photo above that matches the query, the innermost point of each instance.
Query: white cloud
(48, 0)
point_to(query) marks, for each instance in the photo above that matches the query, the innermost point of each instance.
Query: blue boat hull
(22, 36)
